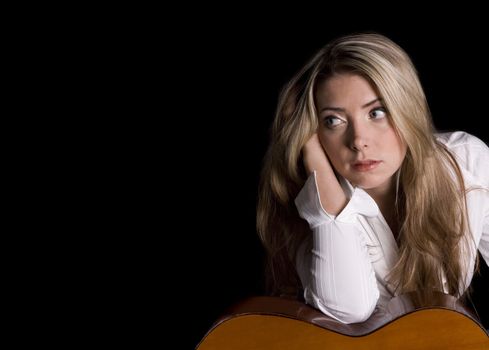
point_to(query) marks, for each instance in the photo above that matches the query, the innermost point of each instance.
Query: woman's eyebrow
(339, 109)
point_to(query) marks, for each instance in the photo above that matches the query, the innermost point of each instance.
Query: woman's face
(355, 132)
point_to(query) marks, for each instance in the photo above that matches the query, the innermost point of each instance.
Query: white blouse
(344, 264)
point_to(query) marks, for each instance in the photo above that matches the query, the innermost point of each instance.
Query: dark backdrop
(233, 76)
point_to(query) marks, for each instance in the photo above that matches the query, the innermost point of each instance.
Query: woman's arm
(334, 265)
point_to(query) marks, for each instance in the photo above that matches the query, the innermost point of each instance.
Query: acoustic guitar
(281, 323)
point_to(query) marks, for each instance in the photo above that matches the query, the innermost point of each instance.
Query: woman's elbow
(356, 315)
(350, 311)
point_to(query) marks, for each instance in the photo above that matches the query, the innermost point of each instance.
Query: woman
(360, 198)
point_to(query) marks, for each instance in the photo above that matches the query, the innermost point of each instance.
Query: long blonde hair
(431, 202)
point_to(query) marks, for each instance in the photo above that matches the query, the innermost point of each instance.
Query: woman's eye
(332, 122)
(378, 113)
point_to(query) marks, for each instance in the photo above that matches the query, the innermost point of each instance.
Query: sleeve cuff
(309, 206)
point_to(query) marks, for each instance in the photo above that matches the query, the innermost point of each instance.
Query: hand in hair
(332, 196)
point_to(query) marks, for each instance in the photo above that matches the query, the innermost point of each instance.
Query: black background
(231, 74)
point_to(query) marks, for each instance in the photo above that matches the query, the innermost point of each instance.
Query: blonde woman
(360, 198)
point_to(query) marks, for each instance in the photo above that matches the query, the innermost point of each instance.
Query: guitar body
(280, 323)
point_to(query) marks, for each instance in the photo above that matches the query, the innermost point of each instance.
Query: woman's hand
(332, 196)
(314, 156)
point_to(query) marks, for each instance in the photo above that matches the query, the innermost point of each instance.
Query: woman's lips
(366, 165)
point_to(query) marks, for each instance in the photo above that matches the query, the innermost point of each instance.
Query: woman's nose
(359, 138)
